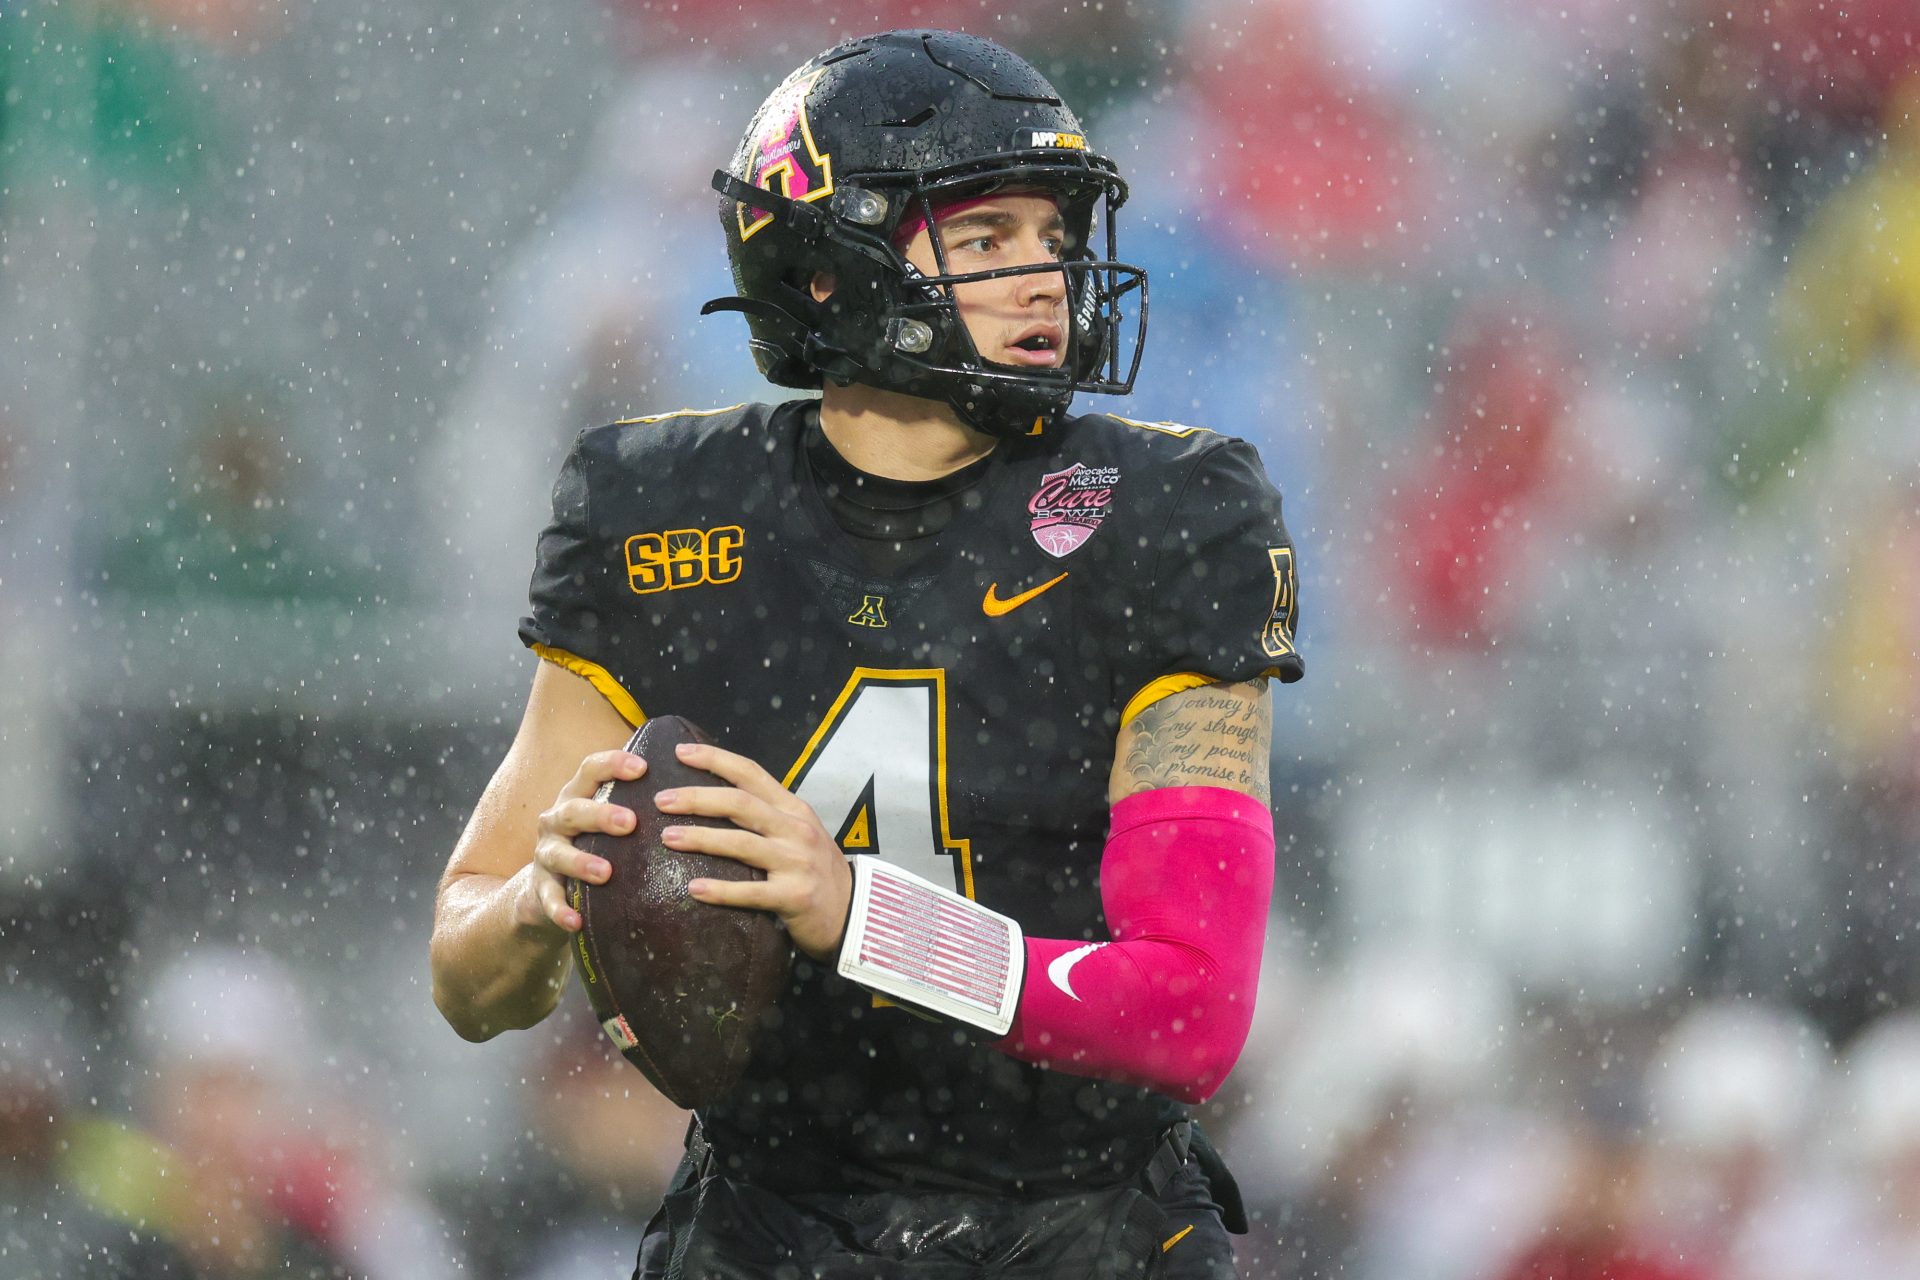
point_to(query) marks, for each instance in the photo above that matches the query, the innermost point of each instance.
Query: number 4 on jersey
(876, 773)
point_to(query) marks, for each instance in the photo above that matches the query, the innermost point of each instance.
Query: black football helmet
(888, 127)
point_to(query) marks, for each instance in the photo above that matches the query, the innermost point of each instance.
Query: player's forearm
(1146, 1013)
(491, 971)
(1186, 881)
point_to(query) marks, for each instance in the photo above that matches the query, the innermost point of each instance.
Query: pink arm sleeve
(1186, 879)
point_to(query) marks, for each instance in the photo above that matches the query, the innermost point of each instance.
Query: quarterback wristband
(915, 942)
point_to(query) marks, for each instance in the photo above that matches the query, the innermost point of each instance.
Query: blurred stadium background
(1584, 340)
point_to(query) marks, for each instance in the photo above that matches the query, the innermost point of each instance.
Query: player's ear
(822, 286)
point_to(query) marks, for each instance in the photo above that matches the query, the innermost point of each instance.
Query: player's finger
(753, 895)
(553, 900)
(601, 766)
(571, 817)
(747, 776)
(561, 858)
(739, 807)
(731, 767)
(727, 842)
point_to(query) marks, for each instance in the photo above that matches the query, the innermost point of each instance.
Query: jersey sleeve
(1226, 584)
(574, 581)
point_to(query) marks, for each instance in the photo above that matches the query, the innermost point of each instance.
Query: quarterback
(950, 639)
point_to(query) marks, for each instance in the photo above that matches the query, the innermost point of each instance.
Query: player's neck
(884, 433)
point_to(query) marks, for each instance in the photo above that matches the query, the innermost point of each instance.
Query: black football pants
(721, 1231)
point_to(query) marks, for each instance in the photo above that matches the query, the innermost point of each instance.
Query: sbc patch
(677, 558)
(1070, 505)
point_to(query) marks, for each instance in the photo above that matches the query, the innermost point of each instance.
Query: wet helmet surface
(884, 131)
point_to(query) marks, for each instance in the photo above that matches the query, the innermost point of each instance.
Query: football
(679, 985)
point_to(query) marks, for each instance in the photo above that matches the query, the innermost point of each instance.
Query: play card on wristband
(911, 940)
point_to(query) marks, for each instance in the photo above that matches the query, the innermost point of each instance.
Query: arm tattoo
(1218, 735)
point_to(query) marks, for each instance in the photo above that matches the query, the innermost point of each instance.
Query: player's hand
(542, 901)
(808, 882)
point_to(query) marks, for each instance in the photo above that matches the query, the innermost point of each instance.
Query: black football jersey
(958, 719)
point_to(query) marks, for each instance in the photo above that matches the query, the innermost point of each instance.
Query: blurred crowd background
(1583, 338)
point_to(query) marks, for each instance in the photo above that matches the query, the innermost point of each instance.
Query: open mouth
(1041, 347)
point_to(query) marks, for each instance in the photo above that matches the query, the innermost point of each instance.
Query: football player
(968, 656)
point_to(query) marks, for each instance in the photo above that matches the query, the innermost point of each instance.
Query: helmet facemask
(931, 352)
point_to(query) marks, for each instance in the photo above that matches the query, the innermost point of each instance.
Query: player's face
(1014, 320)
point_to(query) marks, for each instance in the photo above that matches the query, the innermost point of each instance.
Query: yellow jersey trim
(1178, 430)
(1177, 682)
(678, 413)
(1165, 687)
(599, 678)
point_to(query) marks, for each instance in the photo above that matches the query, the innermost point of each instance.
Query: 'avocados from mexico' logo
(1069, 505)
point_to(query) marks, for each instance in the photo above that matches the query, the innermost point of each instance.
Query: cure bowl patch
(1069, 506)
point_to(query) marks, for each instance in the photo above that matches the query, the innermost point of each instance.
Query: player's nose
(1045, 286)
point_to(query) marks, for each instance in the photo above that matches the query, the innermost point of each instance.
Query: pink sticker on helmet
(784, 157)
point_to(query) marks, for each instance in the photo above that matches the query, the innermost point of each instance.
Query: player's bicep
(566, 720)
(1216, 735)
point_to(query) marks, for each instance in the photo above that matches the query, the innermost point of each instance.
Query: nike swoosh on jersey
(993, 606)
(1061, 970)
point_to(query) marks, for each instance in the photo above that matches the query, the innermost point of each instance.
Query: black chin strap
(754, 307)
(805, 344)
